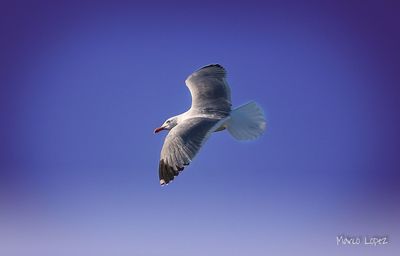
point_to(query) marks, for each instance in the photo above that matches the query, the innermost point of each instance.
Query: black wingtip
(167, 172)
(213, 65)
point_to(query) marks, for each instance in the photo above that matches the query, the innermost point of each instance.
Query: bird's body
(210, 112)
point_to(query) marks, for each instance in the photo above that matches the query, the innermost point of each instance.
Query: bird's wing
(182, 144)
(210, 91)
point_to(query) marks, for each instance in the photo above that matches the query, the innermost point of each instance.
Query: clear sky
(84, 84)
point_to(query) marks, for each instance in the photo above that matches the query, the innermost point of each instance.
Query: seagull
(210, 112)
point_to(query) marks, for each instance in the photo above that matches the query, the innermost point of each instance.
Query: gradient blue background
(83, 85)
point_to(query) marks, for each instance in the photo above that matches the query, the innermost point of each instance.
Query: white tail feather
(247, 122)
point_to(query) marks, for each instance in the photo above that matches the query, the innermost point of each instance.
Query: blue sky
(87, 83)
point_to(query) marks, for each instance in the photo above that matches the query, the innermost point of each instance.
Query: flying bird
(210, 112)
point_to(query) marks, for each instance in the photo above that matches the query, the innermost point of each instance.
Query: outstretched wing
(182, 144)
(210, 91)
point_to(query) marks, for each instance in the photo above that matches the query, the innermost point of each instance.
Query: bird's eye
(168, 121)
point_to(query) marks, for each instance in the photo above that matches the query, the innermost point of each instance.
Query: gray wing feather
(210, 91)
(183, 143)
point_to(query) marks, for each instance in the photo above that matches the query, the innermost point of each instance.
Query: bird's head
(168, 124)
